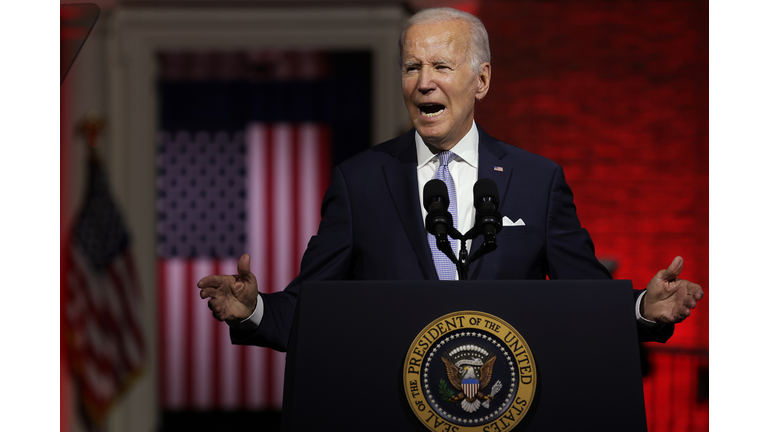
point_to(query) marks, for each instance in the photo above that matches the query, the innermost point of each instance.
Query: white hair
(479, 51)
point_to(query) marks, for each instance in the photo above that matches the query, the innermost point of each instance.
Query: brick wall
(617, 93)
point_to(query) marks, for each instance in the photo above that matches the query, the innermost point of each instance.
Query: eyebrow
(408, 63)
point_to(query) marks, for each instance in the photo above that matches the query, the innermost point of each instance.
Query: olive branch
(445, 392)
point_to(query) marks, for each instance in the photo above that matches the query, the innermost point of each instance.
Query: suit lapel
(491, 165)
(400, 175)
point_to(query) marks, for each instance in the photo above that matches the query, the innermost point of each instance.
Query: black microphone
(436, 203)
(487, 216)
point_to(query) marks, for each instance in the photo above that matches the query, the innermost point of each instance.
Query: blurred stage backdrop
(241, 137)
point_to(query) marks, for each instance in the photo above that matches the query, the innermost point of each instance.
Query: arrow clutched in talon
(494, 390)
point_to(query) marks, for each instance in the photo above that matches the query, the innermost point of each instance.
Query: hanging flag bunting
(104, 306)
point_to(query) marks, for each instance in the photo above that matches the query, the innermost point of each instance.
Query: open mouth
(431, 110)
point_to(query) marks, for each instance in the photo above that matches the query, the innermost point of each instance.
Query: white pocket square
(508, 222)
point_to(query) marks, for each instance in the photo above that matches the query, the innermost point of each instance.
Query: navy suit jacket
(372, 229)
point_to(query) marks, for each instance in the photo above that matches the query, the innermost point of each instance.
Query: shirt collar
(466, 149)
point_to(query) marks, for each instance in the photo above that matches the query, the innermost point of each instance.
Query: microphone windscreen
(483, 188)
(435, 189)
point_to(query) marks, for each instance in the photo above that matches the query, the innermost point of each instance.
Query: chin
(431, 135)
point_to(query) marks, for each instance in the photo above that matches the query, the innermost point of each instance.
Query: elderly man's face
(439, 85)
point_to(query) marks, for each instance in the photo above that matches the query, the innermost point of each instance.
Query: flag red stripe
(161, 317)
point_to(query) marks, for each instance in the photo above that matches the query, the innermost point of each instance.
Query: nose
(426, 84)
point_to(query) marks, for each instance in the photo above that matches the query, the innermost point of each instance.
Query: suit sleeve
(571, 252)
(328, 257)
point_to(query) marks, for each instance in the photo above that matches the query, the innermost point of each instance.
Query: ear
(483, 81)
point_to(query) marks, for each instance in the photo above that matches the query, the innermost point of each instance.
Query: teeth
(432, 114)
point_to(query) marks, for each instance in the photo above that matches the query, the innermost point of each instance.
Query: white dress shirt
(463, 169)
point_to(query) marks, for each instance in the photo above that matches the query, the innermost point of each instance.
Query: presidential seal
(469, 371)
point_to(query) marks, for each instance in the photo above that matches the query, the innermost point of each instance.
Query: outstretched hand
(232, 297)
(669, 299)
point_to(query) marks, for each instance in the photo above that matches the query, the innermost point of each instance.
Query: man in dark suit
(372, 225)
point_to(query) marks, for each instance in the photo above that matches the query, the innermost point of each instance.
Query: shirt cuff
(253, 321)
(640, 318)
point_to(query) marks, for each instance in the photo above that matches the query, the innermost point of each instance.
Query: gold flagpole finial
(91, 127)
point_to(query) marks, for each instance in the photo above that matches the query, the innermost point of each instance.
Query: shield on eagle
(470, 386)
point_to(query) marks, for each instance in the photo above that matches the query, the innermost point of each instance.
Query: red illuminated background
(617, 93)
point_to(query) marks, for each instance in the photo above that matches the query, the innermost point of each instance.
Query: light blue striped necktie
(446, 270)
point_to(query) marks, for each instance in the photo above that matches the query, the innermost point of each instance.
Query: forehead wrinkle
(446, 43)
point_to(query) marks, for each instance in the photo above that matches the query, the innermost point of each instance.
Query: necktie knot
(446, 157)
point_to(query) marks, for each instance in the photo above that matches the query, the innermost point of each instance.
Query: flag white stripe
(175, 341)
(202, 355)
(256, 233)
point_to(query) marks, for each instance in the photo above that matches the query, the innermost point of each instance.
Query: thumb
(670, 273)
(244, 266)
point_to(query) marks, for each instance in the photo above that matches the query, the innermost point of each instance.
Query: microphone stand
(462, 262)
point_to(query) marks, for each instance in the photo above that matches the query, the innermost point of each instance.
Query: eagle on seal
(469, 385)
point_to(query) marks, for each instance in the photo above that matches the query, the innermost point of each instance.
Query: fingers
(674, 269)
(211, 281)
(216, 309)
(690, 303)
(685, 313)
(695, 291)
(244, 266)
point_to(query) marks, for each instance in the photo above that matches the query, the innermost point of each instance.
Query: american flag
(104, 307)
(220, 195)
